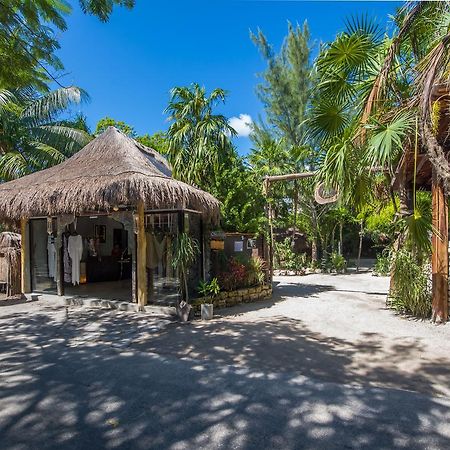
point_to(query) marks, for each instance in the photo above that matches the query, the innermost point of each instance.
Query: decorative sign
(238, 246)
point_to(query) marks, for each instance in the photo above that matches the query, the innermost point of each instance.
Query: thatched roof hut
(111, 171)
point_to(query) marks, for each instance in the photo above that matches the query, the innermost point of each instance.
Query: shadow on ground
(267, 384)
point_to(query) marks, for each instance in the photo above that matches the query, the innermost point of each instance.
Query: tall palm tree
(199, 140)
(32, 136)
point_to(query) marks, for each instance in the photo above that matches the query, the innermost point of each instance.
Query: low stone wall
(232, 298)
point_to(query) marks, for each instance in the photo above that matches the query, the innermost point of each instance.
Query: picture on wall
(100, 233)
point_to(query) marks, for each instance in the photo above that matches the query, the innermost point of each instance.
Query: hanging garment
(67, 261)
(51, 255)
(75, 247)
(151, 255)
(159, 249)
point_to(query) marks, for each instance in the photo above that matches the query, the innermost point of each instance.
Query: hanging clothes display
(75, 248)
(66, 260)
(51, 257)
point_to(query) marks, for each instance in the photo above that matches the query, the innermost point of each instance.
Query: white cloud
(242, 124)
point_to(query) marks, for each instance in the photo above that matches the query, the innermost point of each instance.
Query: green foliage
(411, 289)
(382, 265)
(240, 192)
(241, 272)
(29, 38)
(31, 135)
(286, 258)
(199, 139)
(157, 141)
(209, 289)
(255, 270)
(185, 250)
(287, 82)
(338, 262)
(106, 122)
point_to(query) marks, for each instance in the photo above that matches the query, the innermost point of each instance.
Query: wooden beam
(25, 257)
(291, 176)
(439, 259)
(142, 294)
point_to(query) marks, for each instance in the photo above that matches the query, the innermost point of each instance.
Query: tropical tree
(28, 38)
(32, 136)
(199, 139)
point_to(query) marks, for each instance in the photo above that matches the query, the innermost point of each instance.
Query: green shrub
(210, 289)
(382, 265)
(338, 262)
(411, 285)
(287, 259)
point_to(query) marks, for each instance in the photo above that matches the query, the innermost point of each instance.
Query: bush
(287, 259)
(242, 273)
(338, 262)
(383, 265)
(411, 285)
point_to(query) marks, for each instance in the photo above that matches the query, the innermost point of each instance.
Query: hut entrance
(162, 229)
(96, 259)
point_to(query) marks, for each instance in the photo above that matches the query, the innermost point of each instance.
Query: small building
(102, 223)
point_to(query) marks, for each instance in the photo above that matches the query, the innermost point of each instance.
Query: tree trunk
(361, 234)
(314, 250)
(295, 201)
(341, 238)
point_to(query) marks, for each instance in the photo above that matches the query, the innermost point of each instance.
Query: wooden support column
(25, 257)
(142, 295)
(59, 269)
(439, 259)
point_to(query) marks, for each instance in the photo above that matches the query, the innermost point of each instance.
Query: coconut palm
(32, 136)
(199, 140)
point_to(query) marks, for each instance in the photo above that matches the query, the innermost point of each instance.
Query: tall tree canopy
(32, 135)
(199, 138)
(28, 38)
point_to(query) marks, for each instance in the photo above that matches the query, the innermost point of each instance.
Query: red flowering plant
(234, 277)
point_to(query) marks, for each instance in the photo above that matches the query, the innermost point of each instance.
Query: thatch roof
(110, 171)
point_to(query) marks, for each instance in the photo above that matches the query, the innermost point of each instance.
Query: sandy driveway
(333, 328)
(321, 366)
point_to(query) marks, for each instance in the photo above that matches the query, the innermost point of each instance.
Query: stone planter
(207, 311)
(184, 311)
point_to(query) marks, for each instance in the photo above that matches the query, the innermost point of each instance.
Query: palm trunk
(341, 238)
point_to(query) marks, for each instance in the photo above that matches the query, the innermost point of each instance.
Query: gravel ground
(322, 365)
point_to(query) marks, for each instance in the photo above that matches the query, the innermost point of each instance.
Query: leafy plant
(411, 287)
(287, 258)
(382, 265)
(234, 276)
(185, 250)
(338, 262)
(255, 271)
(209, 289)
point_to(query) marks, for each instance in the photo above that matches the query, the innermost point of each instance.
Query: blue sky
(129, 64)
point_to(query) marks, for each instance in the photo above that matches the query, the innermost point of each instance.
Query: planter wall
(232, 298)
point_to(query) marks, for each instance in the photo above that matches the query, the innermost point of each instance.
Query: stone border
(226, 299)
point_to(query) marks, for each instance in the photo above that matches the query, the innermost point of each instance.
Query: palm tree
(199, 140)
(32, 136)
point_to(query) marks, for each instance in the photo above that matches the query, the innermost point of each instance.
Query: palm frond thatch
(110, 171)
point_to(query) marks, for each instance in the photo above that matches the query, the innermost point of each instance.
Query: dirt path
(333, 328)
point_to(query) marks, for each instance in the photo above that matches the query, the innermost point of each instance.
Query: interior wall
(85, 226)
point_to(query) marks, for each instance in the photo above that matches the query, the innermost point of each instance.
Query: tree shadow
(96, 379)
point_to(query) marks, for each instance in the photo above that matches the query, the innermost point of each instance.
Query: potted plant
(185, 250)
(208, 291)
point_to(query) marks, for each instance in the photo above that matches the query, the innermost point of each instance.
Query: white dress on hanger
(51, 253)
(75, 247)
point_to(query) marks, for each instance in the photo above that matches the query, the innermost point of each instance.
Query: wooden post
(142, 295)
(59, 269)
(25, 257)
(439, 259)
